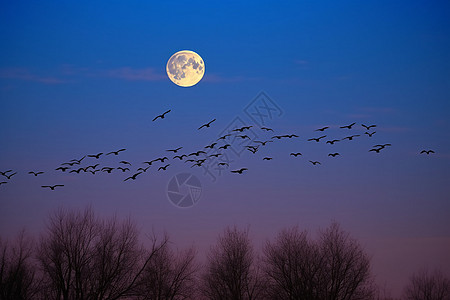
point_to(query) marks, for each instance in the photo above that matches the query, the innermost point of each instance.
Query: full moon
(185, 68)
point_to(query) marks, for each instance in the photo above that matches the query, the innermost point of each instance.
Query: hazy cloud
(25, 74)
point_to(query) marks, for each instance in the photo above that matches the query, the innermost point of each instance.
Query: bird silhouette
(370, 133)
(163, 167)
(4, 173)
(382, 146)
(35, 173)
(162, 115)
(96, 156)
(78, 160)
(243, 136)
(267, 158)
(207, 124)
(180, 157)
(277, 137)
(78, 170)
(133, 176)
(211, 146)
(322, 129)
(9, 176)
(333, 154)
(350, 138)
(263, 143)
(295, 154)
(243, 128)
(123, 169)
(252, 149)
(427, 152)
(368, 127)
(197, 153)
(162, 159)
(348, 126)
(63, 169)
(290, 136)
(215, 155)
(93, 167)
(316, 139)
(239, 171)
(225, 146)
(332, 142)
(377, 150)
(175, 150)
(107, 169)
(70, 163)
(124, 162)
(116, 152)
(224, 137)
(197, 164)
(315, 162)
(3, 182)
(143, 169)
(266, 129)
(52, 187)
(223, 164)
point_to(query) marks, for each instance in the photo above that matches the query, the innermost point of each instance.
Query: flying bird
(224, 137)
(252, 149)
(4, 173)
(175, 150)
(350, 138)
(333, 154)
(427, 151)
(377, 150)
(3, 182)
(143, 169)
(197, 153)
(267, 158)
(223, 164)
(123, 169)
(180, 157)
(116, 152)
(63, 169)
(215, 155)
(52, 187)
(348, 126)
(368, 127)
(263, 143)
(161, 116)
(9, 176)
(35, 173)
(207, 124)
(315, 162)
(133, 176)
(290, 136)
(382, 146)
(107, 169)
(295, 154)
(243, 136)
(93, 167)
(211, 146)
(266, 129)
(317, 139)
(332, 142)
(239, 171)
(322, 129)
(370, 133)
(162, 159)
(78, 160)
(225, 146)
(96, 156)
(124, 162)
(163, 168)
(277, 137)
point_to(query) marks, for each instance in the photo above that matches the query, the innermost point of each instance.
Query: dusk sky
(80, 78)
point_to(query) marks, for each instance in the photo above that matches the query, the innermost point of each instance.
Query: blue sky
(88, 77)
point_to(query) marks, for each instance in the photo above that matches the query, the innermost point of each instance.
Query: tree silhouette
(425, 285)
(231, 271)
(332, 267)
(17, 272)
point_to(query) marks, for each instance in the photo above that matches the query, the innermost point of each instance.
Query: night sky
(80, 78)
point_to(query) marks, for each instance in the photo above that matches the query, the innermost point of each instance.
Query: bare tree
(334, 267)
(231, 271)
(169, 275)
(17, 272)
(292, 265)
(425, 285)
(84, 258)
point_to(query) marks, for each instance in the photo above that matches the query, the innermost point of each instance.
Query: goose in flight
(123, 169)
(368, 127)
(427, 152)
(350, 138)
(35, 173)
(133, 176)
(4, 173)
(225, 146)
(162, 159)
(52, 187)
(332, 142)
(323, 128)
(180, 157)
(263, 143)
(239, 171)
(116, 152)
(224, 137)
(382, 146)
(295, 154)
(333, 154)
(207, 124)
(223, 164)
(215, 155)
(3, 182)
(267, 158)
(96, 156)
(370, 133)
(107, 169)
(93, 167)
(78, 160)
(162, 115)
(243, 136)
(163, 167)
(197, 153)
(377, 150)
(252, 149)
(278, 137)
(317, 139)
(9, 176)
(124, 162)
(211, 146)
(315, 162)
(78, 170)
(290, 136)
(63, 169)
(143, 169)
(174, 150)
(266, 129)
(348, 126)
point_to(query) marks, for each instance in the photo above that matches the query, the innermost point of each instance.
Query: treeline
(81, 256)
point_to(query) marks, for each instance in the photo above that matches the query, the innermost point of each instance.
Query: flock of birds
(200, 157)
